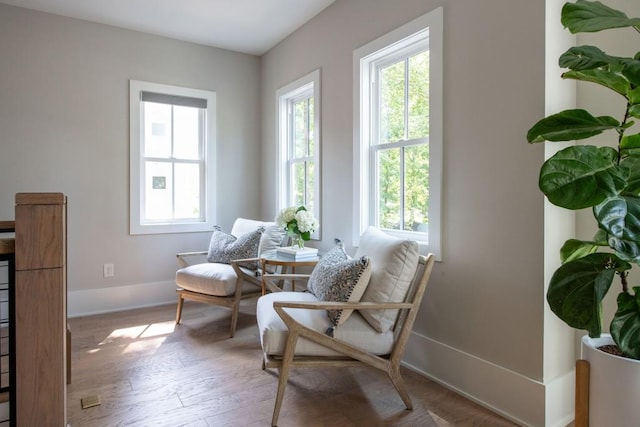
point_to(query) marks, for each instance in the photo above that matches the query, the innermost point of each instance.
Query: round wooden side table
(277, 260)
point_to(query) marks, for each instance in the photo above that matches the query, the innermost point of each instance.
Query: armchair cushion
(224, 248)
(355, 330)
(338, 277)
(393, 264)
(210, 279)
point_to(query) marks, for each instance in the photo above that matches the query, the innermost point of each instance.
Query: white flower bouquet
(298, 222)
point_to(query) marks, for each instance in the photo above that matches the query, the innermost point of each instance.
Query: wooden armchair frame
(231, 301)
(351, 355)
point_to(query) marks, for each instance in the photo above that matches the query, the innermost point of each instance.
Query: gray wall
(485, 302)
(64, 124)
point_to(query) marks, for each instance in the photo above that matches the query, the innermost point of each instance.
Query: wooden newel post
(40, 310)
(582, 393)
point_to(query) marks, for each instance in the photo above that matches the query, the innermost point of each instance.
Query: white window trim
(283, 95)
(135, 111)
(362, 57)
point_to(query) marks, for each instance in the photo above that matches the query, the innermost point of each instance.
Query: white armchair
(226, 283)
(295, 328)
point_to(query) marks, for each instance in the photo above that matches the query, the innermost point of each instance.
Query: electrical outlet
(107, 270)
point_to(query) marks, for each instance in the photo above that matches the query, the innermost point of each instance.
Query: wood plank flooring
(149, 372)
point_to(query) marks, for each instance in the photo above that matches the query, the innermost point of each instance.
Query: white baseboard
(516, 397)
(105, 300)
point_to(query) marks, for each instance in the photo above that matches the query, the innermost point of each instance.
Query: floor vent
(90, 401)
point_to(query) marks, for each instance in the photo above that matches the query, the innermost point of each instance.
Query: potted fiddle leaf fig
(605, 179)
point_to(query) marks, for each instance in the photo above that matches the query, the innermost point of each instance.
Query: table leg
(264, 271)
(293, 282)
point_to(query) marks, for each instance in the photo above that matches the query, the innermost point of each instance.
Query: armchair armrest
(182, 257)
(334, 305)
(237, 261)
(287, 276)
(242, 273)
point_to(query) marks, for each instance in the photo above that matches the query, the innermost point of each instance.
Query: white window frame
(427, 26)
(137, 225)
(293, 91)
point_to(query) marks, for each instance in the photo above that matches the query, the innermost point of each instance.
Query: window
(398, 143)
(172, 157)
(299, 144)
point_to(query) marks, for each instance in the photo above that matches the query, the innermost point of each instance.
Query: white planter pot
(614, 385)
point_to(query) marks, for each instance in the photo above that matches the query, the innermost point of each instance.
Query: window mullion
(305, 196)
(307, 126)
(402, 149)
(374, 132)
(402, 188)
(173, 165)
(290, 149)
(406, 98)
(204, 188)
(142, 188)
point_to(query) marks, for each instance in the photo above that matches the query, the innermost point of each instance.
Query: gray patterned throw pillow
(224, 248)
(338, 277)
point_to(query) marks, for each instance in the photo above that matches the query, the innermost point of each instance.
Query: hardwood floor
(149, 372)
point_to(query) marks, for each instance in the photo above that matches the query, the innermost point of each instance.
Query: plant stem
(622, 131)
(623, 280)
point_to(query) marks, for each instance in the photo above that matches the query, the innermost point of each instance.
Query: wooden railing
(7, 278)
(37, 297)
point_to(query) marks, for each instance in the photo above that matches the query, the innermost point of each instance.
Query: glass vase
(298, 242)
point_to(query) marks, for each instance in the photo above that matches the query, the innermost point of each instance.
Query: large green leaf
(600, 238)
(580, 58)
(577, 288)
(590, 16)
(582, 176)
(633, 95)
(629, 143)
(632, 164)
(574, 249)
(625, 326)
(568, 125)
(608, 79)
(631, 71)
(619, 216)
(634, 111)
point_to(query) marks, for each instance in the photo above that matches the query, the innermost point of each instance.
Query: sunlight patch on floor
(132, 333)
(157, 329)
(440, 422)
(141, 331)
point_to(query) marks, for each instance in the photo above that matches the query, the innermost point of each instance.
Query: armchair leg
(287, 357)
(179, 310)
(234, 318)
(398, 383)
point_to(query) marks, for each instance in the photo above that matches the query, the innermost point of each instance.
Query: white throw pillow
(393, 265)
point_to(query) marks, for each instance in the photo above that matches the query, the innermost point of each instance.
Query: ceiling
(249, 26)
